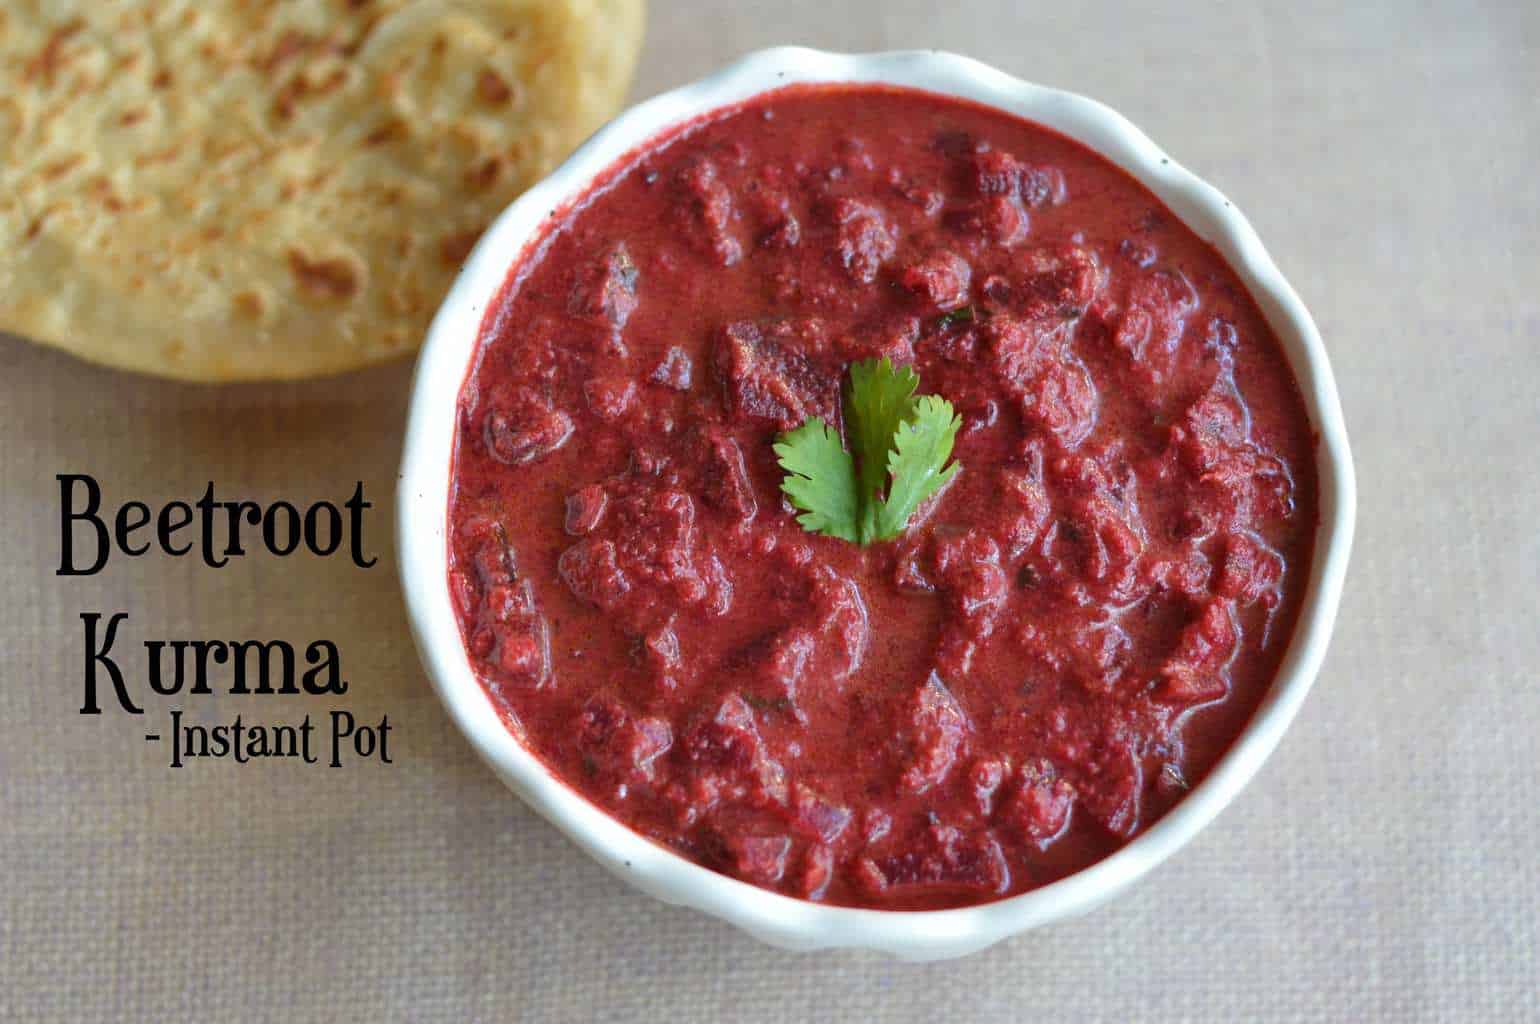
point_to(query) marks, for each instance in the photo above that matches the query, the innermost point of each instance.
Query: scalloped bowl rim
(423, 495)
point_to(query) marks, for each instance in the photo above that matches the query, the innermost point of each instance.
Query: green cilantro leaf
(900, 446)
(921, 447)
(878, 400)
(820, 480)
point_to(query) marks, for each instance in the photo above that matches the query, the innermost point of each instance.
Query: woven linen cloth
(1381, 867)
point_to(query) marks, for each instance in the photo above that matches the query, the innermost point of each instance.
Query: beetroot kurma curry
(1095, 464)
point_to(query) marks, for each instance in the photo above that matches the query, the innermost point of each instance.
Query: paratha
(221, 190)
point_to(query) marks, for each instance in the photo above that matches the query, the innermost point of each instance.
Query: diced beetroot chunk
(875, 823)
(608, 293)
(661, 648)
(1023, 491)
(644, 557)
(992, 172)
(1022, 348)
(676, 371)
(1063, 401)
(909, 572)
(729, 739)
(817, 871)
(492, 556)
(1057, 282)
(585, 509)
(727, 485)
(941, 279)
(1219, 419)
(592, 571)
(1154, 318)
(765, 380)
(519, 655)
(482, 642)
(759, 859)
(729, 746)
(1195, 672)
(936, 734)
(464, 592)
(1250, 571)
(995, 173)
(609, 397)
(506, 602)
(1001, 219)
(598, 721)
(816, 815)
(984, 778)
(968, 570)
(714, 212)
(1109, 787)
(526, 430)
(618, 743)
(1038, 809)
(945, 858)
(866, 239)
(649, 738)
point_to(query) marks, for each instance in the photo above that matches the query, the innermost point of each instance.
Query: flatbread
(223, 190)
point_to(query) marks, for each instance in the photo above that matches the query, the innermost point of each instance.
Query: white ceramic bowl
(423, 497)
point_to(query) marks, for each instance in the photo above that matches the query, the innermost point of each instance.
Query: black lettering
(67, 481)
(98, 655)
(219, 741)
(234, 509)
(340, 732)
(203, 649)
(285, 655)
(306, 730)
(239, 735)
(322, 656)
(313, 528)
(355, 506)
(157, 683)
(270, 528)
(165, 527)
(385, 740)
(206, 515)
(136, 510)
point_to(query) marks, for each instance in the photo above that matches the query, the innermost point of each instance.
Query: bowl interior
(425, 477)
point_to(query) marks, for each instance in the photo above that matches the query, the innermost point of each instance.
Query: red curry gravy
(1066, 639)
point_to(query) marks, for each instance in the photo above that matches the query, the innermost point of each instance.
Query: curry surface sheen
(1066, 639)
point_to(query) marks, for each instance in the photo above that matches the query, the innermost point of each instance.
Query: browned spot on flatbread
(492, 88)
(158, 157)
(391, 130)
(51, 57)
(300, 87)
(484, 175)
(334, 279)
(59, 168)
(290, 44)
(249, 304)
(453, 248)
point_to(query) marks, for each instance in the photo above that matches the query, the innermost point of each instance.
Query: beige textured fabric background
(1383, 866)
